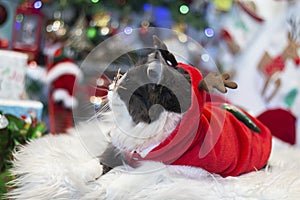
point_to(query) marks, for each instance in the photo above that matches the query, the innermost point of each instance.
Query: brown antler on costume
(220, 82)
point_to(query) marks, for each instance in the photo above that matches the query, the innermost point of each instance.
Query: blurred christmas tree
(187, 11)
(78, 40)
(105, 18)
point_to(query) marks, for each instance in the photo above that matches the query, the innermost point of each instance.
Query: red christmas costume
(212, 138)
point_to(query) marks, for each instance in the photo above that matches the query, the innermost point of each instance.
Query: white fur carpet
(60, 167)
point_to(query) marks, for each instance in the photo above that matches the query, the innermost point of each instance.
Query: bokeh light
(184, 9)
(94, 1)
(128, 30)
(37, 4)
(209, 32)
(205, 57)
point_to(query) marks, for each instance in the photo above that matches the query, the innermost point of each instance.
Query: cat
(160, 113)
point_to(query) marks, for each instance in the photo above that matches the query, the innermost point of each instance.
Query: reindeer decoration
(270, 66)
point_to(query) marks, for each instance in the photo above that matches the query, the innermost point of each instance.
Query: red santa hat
(282, 124)
(61, 76)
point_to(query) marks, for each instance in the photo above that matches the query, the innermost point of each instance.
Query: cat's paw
(133, 180)
(88, 171)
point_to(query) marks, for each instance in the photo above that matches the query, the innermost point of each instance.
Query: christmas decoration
(271, 72)
(21, 108)
(12, 74)
(282, 124)
(15, 131)
(101, 27)
(269, 66)
(233, 26)
(56, 30)
(61, 76)
(78, 40)
(161, 13)
(27, 29)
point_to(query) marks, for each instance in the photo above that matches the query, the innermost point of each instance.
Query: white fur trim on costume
(64, 68)
(63, 95)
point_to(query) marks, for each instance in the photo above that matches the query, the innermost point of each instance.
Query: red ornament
(27, 30)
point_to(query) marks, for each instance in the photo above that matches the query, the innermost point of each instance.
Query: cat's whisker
(104, 109)
(116, 79)
(120, 86)
(101, 89)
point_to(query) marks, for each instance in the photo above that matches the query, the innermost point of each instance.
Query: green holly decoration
(241, 116)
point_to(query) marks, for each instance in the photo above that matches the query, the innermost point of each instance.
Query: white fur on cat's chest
(142, 137)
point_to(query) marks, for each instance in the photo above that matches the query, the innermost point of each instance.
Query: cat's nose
(155, 111)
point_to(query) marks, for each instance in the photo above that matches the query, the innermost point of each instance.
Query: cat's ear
(168, 57)
(158, 44)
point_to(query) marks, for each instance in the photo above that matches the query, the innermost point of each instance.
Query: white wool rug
(60, 167)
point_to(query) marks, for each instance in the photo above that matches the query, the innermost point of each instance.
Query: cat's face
(152, 88)
(147, 103)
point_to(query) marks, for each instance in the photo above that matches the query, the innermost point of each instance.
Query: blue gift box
(20, 108)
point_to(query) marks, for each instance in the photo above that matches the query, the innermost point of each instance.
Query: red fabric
(213, 97)
(282, 124)
(211, 138)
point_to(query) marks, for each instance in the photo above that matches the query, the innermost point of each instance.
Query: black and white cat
(147, 102)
